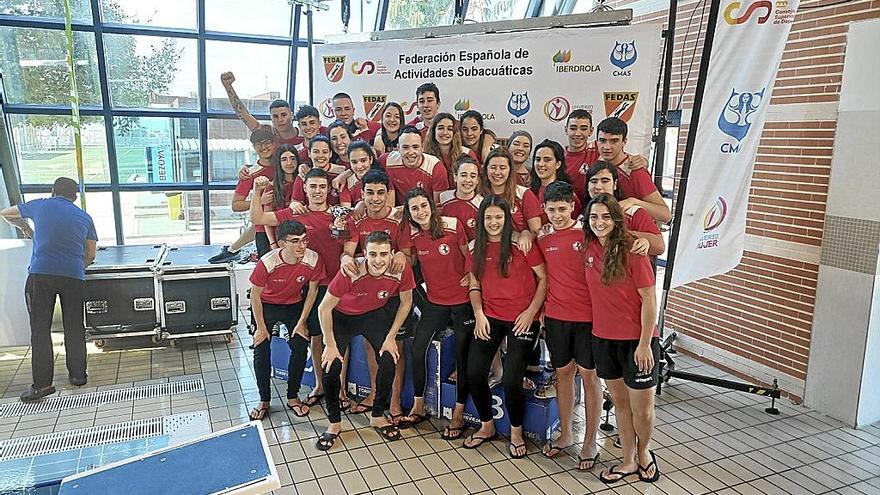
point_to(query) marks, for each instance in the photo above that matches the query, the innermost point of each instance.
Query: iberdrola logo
(462, 105)
(562, 57)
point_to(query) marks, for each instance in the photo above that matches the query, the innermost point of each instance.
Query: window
(302, 79)
(80, 9)
(362, 19)
(229, 149)
(226, 225)
(35, 70)
(157, 149)
(404, 14)
(151, 72)
(496, 10)
(262, 17)
(176, 14)
(99, 205)
(46, 152)
(153, 216)
(261, 74)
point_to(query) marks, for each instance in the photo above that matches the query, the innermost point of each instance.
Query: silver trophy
(340, 213)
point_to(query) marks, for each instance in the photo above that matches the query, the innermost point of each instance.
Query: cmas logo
(561, 63)
(557, 108)
(620, 104)
(518, 105)
(735, 119)
(334, 67)
(373, 105)
(712, 220)
(623, 55)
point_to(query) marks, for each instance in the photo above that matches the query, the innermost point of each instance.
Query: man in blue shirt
(65, 242)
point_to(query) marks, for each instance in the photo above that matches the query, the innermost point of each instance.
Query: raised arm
(227, 78)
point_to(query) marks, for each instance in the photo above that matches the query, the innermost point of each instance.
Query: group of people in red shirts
(364, 221)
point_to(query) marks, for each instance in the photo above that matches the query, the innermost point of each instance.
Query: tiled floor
(707, 440)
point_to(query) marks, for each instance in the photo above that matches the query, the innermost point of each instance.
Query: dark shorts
(615, 359)
(567, 340)
(261, 240)
(312, 322)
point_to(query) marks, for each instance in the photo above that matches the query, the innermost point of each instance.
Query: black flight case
(196, 298)
(120, 294)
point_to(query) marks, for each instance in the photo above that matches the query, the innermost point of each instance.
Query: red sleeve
(531, 207)
(318, 273)
(404, 237)
(534, 257)
(578, 207)
(460, 234)
(298, 194)
(382, 159)
(642, 183)
(340, 285)
(641, 221)
(244, 187)
(284, 215)
(639, 269)
(259, 276)
(407, 280)
(345, 195)
(439, 181)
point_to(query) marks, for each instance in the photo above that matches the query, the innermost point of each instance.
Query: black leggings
(374, 326)
(480, 360)
(434, 319)
(288, 314)
(40, 293)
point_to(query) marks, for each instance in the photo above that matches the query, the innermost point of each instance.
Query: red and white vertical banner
(749, 39)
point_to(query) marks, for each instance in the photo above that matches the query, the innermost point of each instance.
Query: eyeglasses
(264, 144)
(296, 240)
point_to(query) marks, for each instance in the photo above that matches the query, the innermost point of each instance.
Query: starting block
(231, 461)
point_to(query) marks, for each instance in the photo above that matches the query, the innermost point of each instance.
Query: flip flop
(549, 448)
(418, 418)
(516, 447)
(593, 460)
(259, 413)
(298, 409)
(613, 471)
(326, 440)
(396, 421)
(313, 399)
(655, 476)
(445, 434)
(360, 408)
(389, 432)
(481, 440)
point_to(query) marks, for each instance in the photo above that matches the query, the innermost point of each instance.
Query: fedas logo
(735, 117)
(561, 63)
(464, 104)
(373, 105)
(623, 55)
(620, 104)
(557, 108)
(518, 105)
(736, 13)
(334, 67)
(711, 221)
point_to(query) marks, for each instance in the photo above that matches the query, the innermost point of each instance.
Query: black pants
(374, 326)
(261, 239)
(480, 360)
(40, 293)
(287, 314)
(434, 319)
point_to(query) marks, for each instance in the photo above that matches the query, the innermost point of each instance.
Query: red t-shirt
(294, 141)
(504, 298)
(369, 133)
(283, 282)
(617, 309)
(390, 223)
(421, 125)
(317, 224)
(442, 260)
(464, 210)
(299, 193)
(568, 298)
(430, 175)
(577, 164)
(635, 184)
(352, 192)
(365, 292)
(524, 208)
(524, 179)
(637, 219)
(578, 207)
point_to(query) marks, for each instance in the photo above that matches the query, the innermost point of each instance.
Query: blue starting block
(280, 356)
(232, 461)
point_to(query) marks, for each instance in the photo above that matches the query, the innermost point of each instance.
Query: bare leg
(642, 406)
(592, 411)
(246, 238)
(317, 351)
(373, 368)
(397, 385)
(623, 412)
(565, 399)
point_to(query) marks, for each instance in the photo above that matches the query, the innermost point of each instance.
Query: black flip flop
(656, 475)
(460, 429)
(419, 418)
(390, 433)
(515, 448)
(481, 440)
(360, 408)
(594, 460)
(326, 440)
(313, 399)
(299, 406)
(552, 447)
(614, 471)
(259, 413)
(397, 422)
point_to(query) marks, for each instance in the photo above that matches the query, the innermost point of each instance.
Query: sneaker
(224, 256)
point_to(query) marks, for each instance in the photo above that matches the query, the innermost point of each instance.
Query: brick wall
(756, 319)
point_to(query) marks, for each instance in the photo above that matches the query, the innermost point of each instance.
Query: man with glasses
(277, 296)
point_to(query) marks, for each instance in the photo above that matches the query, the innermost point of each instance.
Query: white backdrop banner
(749, 38)
(525, 80)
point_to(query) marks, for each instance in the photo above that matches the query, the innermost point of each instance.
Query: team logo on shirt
(472, 222)
(577, 246)
(513, 209)
(583, 168)
(334, 67)
(373, 105)
(589, 262)
(620, 104)
(382, 294)
(443, 249)
(420, 184)
(300, 279)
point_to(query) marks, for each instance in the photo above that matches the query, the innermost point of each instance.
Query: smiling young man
(358, 128)
(428, 102)
(309, 121)
(373, 303)
(410, 167)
